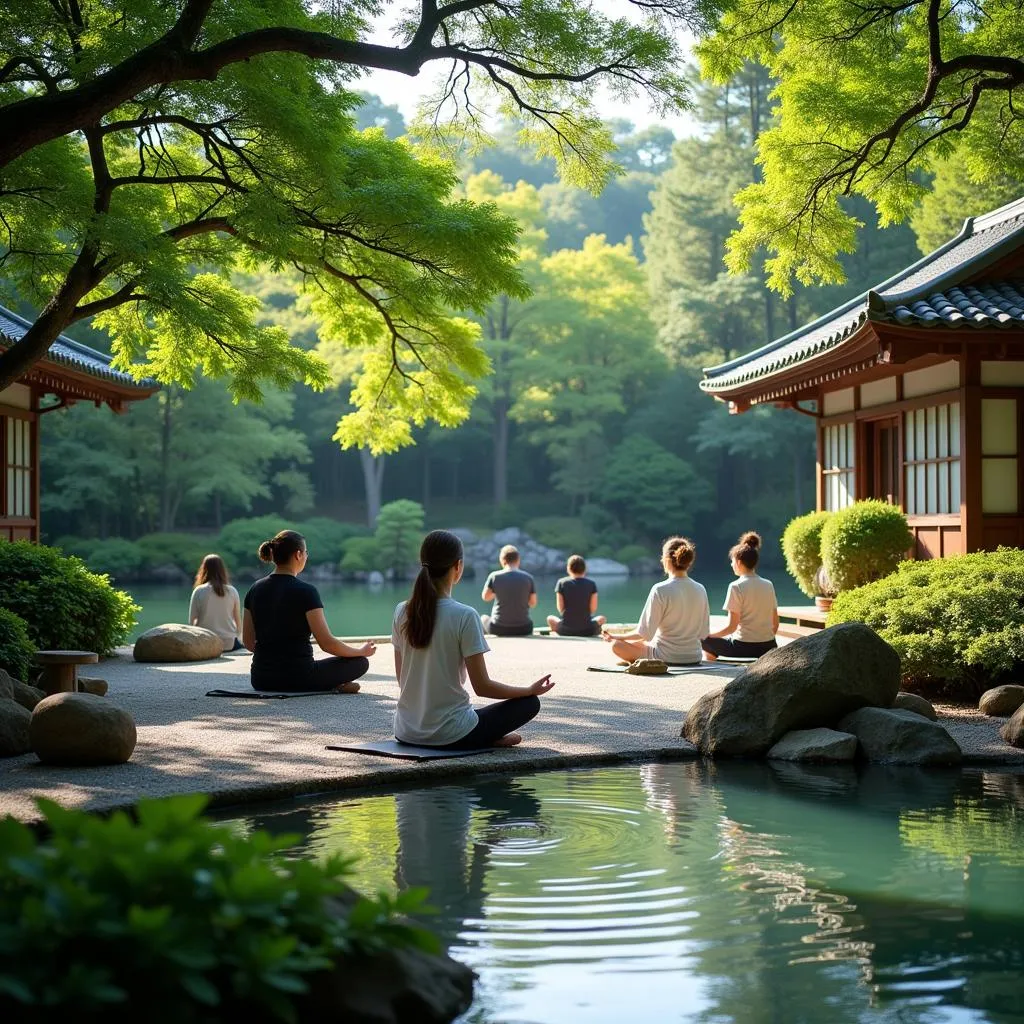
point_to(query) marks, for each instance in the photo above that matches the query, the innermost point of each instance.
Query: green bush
(564, 533)
(957, 623)
(632, 553)
(64, 605)
(326, 538)
(79, 546)
(239, 540)
(801, 544)
(183, 550)
(864, 542)
(360, 554)
(120, 558)
(399, 534)
(16, 650)
(172, 918)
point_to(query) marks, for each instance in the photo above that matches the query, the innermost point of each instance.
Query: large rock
(173, 642)
(896, 736)
(7, 682)
(14, 723)
(1001, 701)
(912, 702)
(81, 729)
(27, 696)
(811, 682)
(1013, 731)
(815, 745)
(606, 567)
(89, 684)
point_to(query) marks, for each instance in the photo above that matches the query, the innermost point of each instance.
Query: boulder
(815, 745)
(1001, 701)
(173, 642)
(14, 724)
(897, 736)
(98, 687)
(1013, 731)
(811, 682)
(912, 702)
(81, 729)
(606, 567)
(7, 682)
(27, 696)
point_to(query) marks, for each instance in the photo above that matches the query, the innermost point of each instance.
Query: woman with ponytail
(438, 643)
(750, 602)
(280, 613)
(675, 618)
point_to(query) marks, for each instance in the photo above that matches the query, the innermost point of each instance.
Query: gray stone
(88, 684)
(815, 745)
(811, 682)
(606, 567)
(14, 724)
(173, 642)
(6, 684)
(1013, 731)
(1001, 701)
(896, 736)
(912, 702)
(375, 578)
(27, 696)
(81, 729)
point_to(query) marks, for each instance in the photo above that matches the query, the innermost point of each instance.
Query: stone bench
(60, 669)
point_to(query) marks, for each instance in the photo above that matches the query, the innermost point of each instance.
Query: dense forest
(591, 431)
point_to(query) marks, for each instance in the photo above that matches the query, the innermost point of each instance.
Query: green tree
(398, 535)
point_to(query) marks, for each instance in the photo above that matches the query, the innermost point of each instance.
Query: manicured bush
(564, 533)
(69, 545)
(182, 550)
(239, 540)
(326, 538)
(632, 553)
(360, 554)
(398, 535)
(957, 623)
(863, 543)
(16, 649)
(171, 918)
(120, 558)
(64, 605)
(801, 544)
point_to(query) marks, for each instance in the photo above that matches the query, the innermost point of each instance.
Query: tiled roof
(72, 354)
(927, 294)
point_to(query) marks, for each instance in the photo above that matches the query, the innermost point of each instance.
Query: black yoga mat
(405, 751)
(274, 694)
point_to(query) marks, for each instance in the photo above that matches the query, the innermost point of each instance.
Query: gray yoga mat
(673, 670)
(273, 694)
(403, 751)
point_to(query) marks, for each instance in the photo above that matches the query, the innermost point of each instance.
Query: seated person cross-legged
(513, 594)
(676, 616)
(576, 599)
(280, 613)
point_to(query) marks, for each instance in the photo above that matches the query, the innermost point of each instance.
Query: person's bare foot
(513, 739)
(348, 688)
(708, 656)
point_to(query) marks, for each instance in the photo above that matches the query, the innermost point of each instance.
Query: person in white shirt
(676, 616)
(438, 643)
(215, 605)
(750, 602)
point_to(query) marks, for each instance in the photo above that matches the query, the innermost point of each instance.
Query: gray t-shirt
(512, 589)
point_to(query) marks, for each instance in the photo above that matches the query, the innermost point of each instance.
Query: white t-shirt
(433, 705)
(216, 612)
(675, 619)
(753, 599)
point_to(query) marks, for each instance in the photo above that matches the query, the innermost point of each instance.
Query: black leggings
(326, 674)
(726, 647)
(497, 720)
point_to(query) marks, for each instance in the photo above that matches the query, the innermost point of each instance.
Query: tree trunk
(166, 516)
(426, 478)
(501, 425)
(373, 482)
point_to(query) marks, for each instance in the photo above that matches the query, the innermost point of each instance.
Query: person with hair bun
(438, 643)
(214, 604)
(280, 613)
(676, 616)
(750, 602)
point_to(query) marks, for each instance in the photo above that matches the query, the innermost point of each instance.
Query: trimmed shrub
(182, 550)
(170, 918)
(239, 540)
(80, 546)
(564, 533)
(64, 605)
(863, 543)
(120, 558)
(957, 623)
(326, 538)
(633, 553)
(360, 554)
(16, 650)
(398, 534)
(801, 544)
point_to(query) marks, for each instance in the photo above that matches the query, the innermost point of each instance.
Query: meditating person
(215, 605)
(676, 616)
(280, 613)
(438, 643)
(576, 600)
(513, 594)
(750, 602)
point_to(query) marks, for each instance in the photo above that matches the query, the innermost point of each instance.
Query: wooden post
(971, 515)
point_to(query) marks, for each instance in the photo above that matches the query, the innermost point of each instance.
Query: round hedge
(801, 544)
(17, 651)
(63, 604)
(863, 543)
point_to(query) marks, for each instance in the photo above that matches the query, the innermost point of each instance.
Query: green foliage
(864, 542)
(172, 916)
(398, 535)
(565, 533)
(360, 554)
(16, 649)
(64, 605)
(239, 540)
(182, 550)
(325, 538)
(120, 558)
(801, 544)
(633, 553)
(955, 622)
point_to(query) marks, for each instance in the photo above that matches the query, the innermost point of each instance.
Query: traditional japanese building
(917, 387)
(71, 372)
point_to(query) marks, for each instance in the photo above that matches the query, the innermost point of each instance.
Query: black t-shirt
(512, 589)
(576, 591)
(278, 604)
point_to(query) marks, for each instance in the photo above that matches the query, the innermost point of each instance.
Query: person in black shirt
(576, 598)
(280, 613)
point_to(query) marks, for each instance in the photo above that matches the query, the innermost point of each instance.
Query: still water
(356, 609)
(707, 893)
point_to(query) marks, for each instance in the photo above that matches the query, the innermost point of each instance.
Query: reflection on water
(710, 893)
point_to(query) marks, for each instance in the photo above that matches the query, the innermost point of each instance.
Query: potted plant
(801, 544)
(864, 542)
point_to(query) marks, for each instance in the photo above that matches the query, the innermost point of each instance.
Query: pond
(707, 893)
(357, 609)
